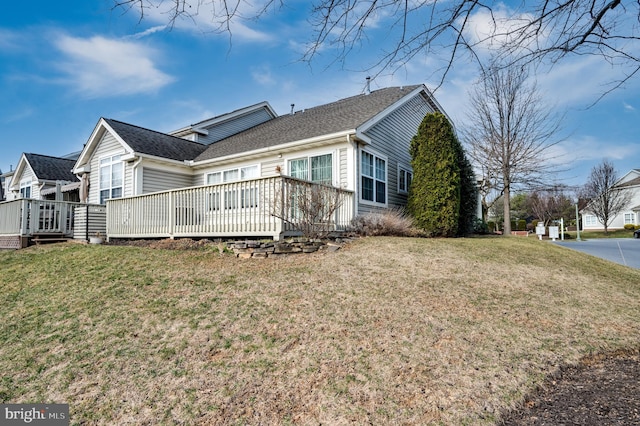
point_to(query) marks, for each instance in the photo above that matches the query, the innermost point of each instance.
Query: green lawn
(386, 330)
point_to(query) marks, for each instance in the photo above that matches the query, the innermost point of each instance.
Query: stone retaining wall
(261, 249)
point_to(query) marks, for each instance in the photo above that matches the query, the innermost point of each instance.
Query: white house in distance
(630, 216)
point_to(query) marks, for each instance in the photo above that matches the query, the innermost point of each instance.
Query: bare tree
(550, 203)
(510, 131)
(606, 200)
(307, 207)
(526, 32)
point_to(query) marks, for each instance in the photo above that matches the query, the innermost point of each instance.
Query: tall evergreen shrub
(434, 196)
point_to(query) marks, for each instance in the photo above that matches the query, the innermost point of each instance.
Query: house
(40, 176)
(630, 215)
(219, 177)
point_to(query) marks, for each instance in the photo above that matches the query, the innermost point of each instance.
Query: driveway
(625, 251)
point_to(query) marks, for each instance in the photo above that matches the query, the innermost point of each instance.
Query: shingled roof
(51, 168)
(342, 115)
(150, 142)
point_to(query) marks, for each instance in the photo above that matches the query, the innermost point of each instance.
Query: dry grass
(386, 331)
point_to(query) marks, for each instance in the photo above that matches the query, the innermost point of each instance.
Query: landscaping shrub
(390, 222)
(491, 226)
(629, 227)
(522, 225)
(480, 226)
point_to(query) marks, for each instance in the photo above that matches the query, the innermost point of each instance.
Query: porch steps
(49, 237)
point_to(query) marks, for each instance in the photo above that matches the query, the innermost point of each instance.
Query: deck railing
(257, 207)
(27, 217)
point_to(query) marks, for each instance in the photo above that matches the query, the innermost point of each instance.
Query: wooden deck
(267, 207)
(25, 219)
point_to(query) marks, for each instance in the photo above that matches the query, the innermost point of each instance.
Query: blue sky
(63, 66)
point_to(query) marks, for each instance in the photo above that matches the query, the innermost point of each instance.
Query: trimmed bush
(629, 227)
(491, 226)
(522, 225)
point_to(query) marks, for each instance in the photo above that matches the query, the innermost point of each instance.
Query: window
(590, 220)
(111, 174)
(404, 179)
(321, 170)
(25, 189)
(232, 175)
(629, 218)
(233, 198)
(374, 178)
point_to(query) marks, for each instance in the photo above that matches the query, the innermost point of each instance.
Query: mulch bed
(601, 390)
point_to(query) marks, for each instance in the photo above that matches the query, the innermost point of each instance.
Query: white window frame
(375, 179)
(629, 218)
(590, 220)
(26, 188)
(405, 177)
(233, 198)
(309, 159)
(240, 174)
(110, 161)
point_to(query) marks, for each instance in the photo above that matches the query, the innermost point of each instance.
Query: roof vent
(292, 106)
(367, 90)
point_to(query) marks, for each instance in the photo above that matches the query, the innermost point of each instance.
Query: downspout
(135, 175)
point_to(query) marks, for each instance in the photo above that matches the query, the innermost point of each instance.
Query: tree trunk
(507, 211)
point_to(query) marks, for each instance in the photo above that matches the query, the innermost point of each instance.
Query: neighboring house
(42, 177)
(630, 215)
(5, 182)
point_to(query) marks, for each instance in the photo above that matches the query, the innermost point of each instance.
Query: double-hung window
(232, 198)
(629, 218)
(317, 169)
(590, 220)
(404, 179)
(25, 189)
(373, 173)
(111, 177)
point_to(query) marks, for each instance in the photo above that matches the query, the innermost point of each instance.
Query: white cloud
(263, 76)
(628, 107)
(102, 67)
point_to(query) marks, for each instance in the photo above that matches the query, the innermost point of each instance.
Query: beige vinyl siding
(269, 167)
(155, 180)
(107, 146)
(197, 179)
(392, 138)
(29, 175)
(344, 167)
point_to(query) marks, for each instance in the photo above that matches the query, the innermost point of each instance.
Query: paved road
(625, 251)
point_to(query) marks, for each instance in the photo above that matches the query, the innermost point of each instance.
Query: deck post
(172, 214)
(24, 221)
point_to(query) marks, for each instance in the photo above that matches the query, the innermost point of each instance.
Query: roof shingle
(51, 168)
(150, 142)
(342, 115)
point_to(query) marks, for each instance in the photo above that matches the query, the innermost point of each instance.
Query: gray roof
(150, 142)
(342, 115)
(51, 168)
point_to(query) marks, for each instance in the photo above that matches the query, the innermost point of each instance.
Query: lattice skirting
(12, 242)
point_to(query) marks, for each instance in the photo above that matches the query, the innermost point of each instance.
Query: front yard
(386, 330)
